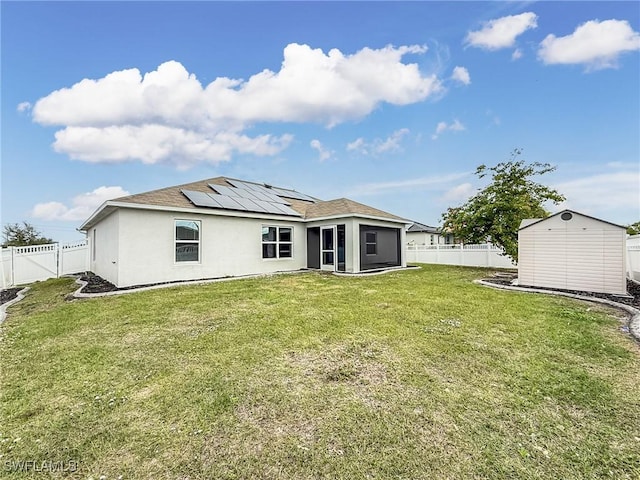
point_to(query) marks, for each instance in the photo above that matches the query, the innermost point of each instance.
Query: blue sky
(391, 104)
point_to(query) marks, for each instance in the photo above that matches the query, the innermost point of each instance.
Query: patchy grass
(413, 374)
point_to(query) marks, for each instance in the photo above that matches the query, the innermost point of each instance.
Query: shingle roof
(172, 197)
(421, 227)
(346, 207)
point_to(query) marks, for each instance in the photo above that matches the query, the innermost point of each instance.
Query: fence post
(58, 260)
(13, 267)
(4, 284)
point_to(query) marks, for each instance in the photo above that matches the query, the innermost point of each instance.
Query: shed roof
(527, 222)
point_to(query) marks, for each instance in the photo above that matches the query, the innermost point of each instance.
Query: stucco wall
(229, 246)
(579, 254)
(104, 240)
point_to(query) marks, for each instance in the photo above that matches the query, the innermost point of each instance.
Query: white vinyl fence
(633, 262)
(22, 265)
(482, 255)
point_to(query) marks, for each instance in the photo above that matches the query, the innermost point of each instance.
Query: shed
(572, 251)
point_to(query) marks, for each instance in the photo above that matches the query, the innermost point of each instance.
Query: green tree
(634, 228)
(16, 235)
(495, 212)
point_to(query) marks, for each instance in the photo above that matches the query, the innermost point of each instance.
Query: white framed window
(371, 243)
(277, 242)
(187, 241)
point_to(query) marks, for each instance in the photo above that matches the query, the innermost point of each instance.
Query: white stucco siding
(582, 254)
(104, 243)
(229, 246)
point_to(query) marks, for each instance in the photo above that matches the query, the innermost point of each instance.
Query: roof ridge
(156, 190)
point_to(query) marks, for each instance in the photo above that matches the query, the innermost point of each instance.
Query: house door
(328, 248)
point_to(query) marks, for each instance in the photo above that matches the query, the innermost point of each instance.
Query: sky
(391, 104)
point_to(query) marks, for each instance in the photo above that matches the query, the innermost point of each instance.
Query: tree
(634, 228)
(16, 235)
(495, 212)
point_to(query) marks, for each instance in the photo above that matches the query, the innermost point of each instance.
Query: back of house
(224, 227)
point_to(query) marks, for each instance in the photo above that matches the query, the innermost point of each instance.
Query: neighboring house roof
(421, 227)
(527, 222)
(172, 198)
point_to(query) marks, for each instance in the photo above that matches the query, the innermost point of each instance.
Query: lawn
(410, 375)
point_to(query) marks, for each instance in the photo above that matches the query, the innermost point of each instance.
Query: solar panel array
(249, 194)
(254, 187)
(237, 202)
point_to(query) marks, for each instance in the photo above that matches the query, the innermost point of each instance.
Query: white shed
(572, 251)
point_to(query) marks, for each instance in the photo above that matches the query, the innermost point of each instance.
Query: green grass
(410, 375)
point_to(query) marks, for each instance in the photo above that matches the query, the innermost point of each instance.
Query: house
(223, 227)
(572, 251)
(421, 234)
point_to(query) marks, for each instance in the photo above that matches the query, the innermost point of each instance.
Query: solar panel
(246, 193)
(284, 209)
(228, 202)
(238, 184)
(222, 190)
(293, 194)
(269, 197)
(270, 207)
(200, 199)
(238, 199)
(250, 205)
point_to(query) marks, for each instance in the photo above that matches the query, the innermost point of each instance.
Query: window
(187, 241)
(371, 243)
(277, 242)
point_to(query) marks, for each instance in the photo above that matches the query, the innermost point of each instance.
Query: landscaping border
(634, 313)
(79, 295)
(4, 306)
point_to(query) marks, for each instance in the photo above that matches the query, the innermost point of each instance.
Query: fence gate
(22, 265)
(34, 263)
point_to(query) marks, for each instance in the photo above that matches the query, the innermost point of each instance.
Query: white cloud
(442, 127)
(517, 54)
(613, 196)
(459, 194)
(424, 183)
(157, 143)
(82, 206)
(502, 32)
(379, 146)
(461, 75)
(23, 107)
(358, 145)
(325, 153)
(156, 112)
(595, 44)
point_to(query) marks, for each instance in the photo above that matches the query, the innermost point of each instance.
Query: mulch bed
(96, 284)
(8, 294)
(633, 289)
